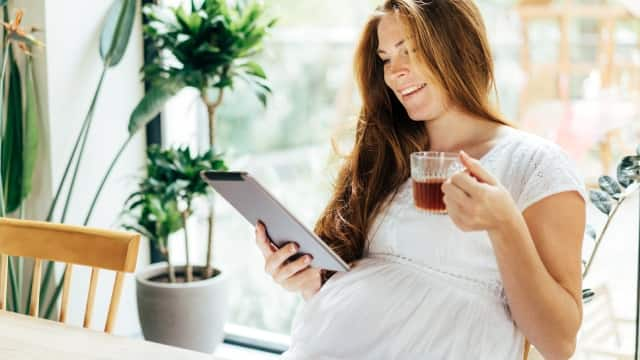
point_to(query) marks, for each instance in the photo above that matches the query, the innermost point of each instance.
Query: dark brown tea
(428, 195)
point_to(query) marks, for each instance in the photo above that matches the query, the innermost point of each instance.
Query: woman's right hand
(295, 276)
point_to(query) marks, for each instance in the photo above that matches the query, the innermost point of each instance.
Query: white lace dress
(425, 289)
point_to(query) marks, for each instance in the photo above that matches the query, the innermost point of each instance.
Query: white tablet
(255, 203)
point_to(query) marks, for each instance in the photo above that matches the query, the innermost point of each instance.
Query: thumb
(475, 168)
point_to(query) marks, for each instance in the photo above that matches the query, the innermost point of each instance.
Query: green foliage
(171, 184)
(116, 31)
(611, 195)
(12, 144)
(629, 170)
(208, 43)
(610, 186)
(613, 191)
(31, 132)
(150, 105)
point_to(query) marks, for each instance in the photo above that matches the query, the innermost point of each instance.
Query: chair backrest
(73, 245)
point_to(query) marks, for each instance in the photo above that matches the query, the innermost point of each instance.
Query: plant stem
(104, 179)
(81, 135)
(211, 110)
(56, 293)
(599, 240)
(28, 305)
(81, 140)
(188, 268)
(637, 285)
(14, 284)
(20, 278)
(170, 269)
(84, 143)
(49, 269)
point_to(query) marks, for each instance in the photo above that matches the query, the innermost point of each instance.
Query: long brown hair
(450, 41)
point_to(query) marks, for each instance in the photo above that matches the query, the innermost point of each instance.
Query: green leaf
(629, 170)
(150, 106)
(590, 232)
(31, 131)
(3, 2)
(209, 38)
(255, 69)
(587, 295)
(12, 146)
(601, 200)
(117, 31)
(610, 186)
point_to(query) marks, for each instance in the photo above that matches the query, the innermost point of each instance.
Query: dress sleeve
(547, 172)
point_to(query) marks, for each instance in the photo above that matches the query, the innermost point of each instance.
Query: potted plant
(177, 305)
(205, 45)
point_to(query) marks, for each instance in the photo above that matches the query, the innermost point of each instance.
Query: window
(287, 146)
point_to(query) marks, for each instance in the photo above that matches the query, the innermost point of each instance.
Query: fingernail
(307, 259)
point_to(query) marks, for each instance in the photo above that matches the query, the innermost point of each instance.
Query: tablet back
(255, 203)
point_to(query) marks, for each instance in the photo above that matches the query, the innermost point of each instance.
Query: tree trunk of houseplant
(211, 111)
(170, 268)
(188, 269)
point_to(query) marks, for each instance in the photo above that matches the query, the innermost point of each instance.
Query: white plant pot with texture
(188, 315)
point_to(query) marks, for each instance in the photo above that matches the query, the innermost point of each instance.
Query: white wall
(67, 73)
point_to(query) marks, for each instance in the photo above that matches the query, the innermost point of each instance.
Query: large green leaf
(117, 31)
(150, 106)
(31, 132)
(12, 146)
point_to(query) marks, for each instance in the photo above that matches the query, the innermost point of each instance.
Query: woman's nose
(398, 68)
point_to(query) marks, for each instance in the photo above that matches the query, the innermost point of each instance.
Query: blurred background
(567, 70)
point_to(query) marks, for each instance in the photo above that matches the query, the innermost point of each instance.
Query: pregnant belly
(389, 307)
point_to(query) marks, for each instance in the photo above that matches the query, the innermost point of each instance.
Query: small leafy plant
(611, 196)
(164, 201)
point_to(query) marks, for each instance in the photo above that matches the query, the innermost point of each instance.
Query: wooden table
(27, 338)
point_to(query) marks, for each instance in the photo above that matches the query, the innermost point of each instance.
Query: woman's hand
(296, 275)
(475, 199)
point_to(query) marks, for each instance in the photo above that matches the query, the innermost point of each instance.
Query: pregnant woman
(501, 266)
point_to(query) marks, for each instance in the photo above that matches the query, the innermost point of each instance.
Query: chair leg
(115, 302)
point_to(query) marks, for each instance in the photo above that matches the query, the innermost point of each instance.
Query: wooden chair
(99, 249)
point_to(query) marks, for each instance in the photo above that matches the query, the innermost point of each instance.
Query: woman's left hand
(475, 199)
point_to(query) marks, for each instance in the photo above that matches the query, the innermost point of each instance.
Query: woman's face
(422, 99)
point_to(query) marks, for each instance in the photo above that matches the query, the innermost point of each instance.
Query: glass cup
(429, 170)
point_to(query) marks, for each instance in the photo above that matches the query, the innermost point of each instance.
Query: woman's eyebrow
(399, 43)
